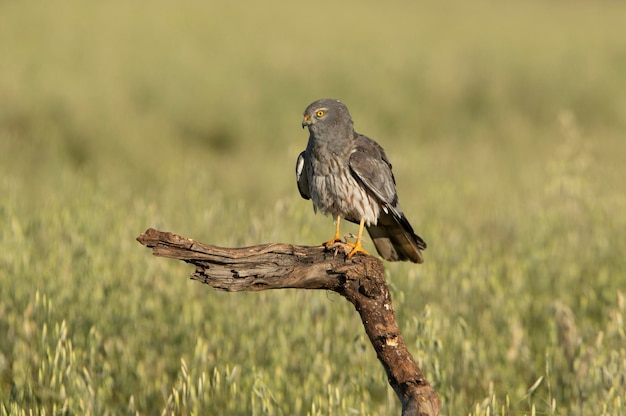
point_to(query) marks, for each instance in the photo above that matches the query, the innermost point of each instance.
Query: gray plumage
(348, 175)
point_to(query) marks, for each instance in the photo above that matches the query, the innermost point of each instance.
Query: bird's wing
(370, 166)
(302, 177)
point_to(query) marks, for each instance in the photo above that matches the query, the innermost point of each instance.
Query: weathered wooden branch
(277, 266)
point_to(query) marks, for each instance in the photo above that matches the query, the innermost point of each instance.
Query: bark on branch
(277, 266)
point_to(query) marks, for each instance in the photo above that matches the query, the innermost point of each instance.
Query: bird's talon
(331, 243)
(357, 248)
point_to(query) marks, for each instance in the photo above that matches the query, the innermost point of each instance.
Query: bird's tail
(395, 239)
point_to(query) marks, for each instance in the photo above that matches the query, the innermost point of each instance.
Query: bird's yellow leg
(357, 247)
(337, 237)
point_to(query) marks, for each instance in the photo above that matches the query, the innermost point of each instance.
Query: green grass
(506, 125)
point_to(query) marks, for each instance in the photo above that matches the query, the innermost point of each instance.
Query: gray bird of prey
(347, 175)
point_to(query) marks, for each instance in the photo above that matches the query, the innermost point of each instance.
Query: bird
(348, 175)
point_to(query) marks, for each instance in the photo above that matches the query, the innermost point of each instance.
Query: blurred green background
(506, 126)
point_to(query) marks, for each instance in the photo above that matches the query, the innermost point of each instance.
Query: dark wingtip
(420, 243)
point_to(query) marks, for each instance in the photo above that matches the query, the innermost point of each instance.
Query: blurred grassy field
(506, 124)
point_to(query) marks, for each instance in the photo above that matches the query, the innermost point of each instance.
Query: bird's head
(327, 114)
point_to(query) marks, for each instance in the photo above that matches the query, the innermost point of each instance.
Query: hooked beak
(306, 121)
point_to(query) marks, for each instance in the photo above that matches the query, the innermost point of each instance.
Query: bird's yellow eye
(320, 113)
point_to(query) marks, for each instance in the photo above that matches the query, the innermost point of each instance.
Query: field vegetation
(506, 125)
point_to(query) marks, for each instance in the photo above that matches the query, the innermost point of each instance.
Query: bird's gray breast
(334, 190)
